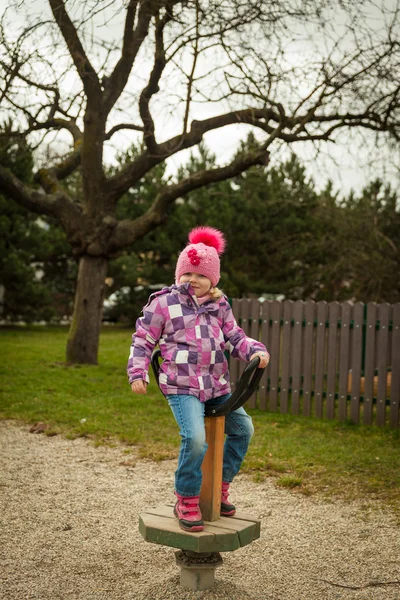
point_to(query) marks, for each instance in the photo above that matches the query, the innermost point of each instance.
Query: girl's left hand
(264, 359)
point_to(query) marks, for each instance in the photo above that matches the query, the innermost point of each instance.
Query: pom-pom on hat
(201, 255)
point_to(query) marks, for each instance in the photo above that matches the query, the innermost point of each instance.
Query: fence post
(382, 355)
(370, 340)
(297, 345)
(322, 310)
(356, 357)
(265, 339)
(286, 343)
(276, 312)
(395, 383)
(333, 318)
(308, 356)
(253, 331)
(344, 359)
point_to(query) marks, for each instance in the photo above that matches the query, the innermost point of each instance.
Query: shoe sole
(195, 529)
(228, 514)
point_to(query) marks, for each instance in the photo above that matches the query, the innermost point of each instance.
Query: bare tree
(294, 71)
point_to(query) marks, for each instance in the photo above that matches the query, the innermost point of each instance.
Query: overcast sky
(349, 166)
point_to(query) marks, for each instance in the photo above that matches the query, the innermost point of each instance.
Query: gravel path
(69, 530)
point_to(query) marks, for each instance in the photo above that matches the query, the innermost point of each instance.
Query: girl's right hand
(139, 386)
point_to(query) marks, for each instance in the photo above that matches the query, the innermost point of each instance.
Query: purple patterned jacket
(192, 339)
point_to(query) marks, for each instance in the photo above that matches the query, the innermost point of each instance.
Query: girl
(193, 324)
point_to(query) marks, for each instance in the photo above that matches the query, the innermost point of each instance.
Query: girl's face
(199, 283)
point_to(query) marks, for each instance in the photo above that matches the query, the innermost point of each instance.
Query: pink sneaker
(227, 509)
(188, 512)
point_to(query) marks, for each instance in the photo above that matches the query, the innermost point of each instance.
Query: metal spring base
(198, 568)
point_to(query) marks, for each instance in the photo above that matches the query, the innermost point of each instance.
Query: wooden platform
(159, 526)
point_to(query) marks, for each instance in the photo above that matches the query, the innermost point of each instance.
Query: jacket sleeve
(148, 331)
(238, 343)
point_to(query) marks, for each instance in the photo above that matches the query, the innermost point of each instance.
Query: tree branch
(362, 587)
(49, 178)
(289, 130)
(126, 232)
(68, 164)
(153, 87)
(129, 175)
(56, 123)
(116, 128)
(133, 39)
(192, 72)
(250, 116)
(57, 204)
(85, 70)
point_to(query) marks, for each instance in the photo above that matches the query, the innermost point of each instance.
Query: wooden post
(210, 493)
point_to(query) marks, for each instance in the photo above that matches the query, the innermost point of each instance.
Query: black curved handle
(155, 365)
(246, 387)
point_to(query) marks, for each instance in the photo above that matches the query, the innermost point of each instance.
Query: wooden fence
(328, 360)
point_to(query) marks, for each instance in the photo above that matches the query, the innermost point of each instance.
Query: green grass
(336, 459)
(305, 455)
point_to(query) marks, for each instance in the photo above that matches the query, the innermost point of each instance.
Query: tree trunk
(84, 333)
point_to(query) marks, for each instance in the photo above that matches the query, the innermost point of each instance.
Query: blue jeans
(189, 414)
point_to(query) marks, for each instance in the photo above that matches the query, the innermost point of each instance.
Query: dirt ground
(69, 530)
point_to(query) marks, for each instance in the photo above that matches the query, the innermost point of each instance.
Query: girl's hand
(139, 386)
(264, 359)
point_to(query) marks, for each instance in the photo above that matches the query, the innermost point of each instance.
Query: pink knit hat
(202, 253)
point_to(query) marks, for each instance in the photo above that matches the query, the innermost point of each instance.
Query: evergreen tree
(283, 237)
(371, 243)
(34, 279)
